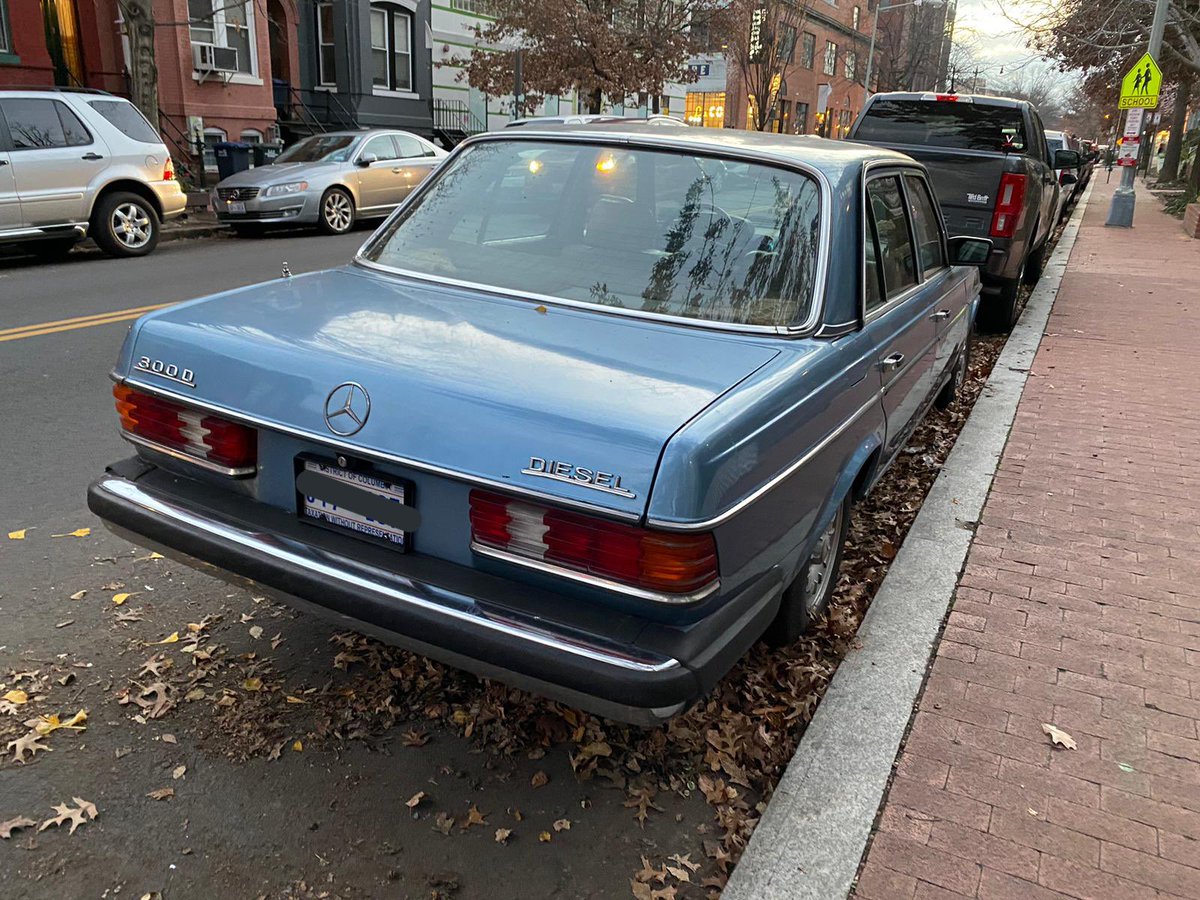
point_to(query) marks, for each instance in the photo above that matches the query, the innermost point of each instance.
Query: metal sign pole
(1120, 212)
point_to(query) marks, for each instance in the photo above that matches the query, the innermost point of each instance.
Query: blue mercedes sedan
(587, 414)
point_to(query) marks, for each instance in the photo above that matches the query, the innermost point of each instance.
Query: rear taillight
(678, 565)
(169, 170)
(166, 425)
(1010, 203)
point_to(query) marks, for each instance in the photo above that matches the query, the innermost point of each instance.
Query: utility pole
(1120, 212)
(518, 85)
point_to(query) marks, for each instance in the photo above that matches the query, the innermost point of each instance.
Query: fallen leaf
(161, 793)
(194, 694)
(7, 828)
(678, 873)
(502, 835)
(78, 532)
(443, 823)
(544, 837)
(178, 772)
(79, 595)
(121, 598)
(30, 743)
(276, 641)
(562, 824)
(540, 309)
(77, 816)
(298, 746)
(256, 631)
(1125, 767)
(18, 535)
(45, 725)
(16, 696)
(291, 699)
(539, 779)
(123, 751)
(415, 800)
(169, 739)
(64, 624)
(1058, 737)
(252, 684)
(685, 861)
(172, 638)
(474, 817)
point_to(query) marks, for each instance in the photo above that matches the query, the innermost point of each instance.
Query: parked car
(82, 163)
(584, 119)
(1070, 179)
(330, 180)
(993, 174)
(575, 418)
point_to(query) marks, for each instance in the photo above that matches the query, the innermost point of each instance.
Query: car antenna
(287, 272)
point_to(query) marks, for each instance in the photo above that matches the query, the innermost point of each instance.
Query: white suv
(82, 163)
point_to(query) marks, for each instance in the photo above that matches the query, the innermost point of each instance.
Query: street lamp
(934, 4)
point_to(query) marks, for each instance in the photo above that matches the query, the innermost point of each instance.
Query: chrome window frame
(804, 328)
(883, 168)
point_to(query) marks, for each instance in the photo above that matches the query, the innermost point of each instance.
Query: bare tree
(762, 38)
(1038, 86)
(909, 48)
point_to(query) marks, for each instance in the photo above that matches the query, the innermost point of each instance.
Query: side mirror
(366, 159)
(1067, 178)
(1067, 159)
(969, 251)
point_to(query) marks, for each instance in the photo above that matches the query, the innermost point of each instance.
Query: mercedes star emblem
(347, 408)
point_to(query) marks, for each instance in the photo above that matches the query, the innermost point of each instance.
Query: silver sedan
(329, 180)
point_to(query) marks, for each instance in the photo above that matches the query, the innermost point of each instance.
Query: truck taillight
(1010, 202)
(169, 170)
(172, 427)
(678, 565)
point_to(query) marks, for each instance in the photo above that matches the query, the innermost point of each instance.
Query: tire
(337, 214)
(998, 315)
(803, 603)
(1035, 263)
(52, 250)
(952, 388)
(124, 225)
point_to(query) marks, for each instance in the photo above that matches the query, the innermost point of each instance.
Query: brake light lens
(228, 446)
(169, 170)
(1010, 203)
(674, 564)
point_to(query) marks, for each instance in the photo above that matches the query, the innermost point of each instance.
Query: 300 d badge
(170, 371)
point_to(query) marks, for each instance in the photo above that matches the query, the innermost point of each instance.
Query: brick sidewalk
(1079, 607)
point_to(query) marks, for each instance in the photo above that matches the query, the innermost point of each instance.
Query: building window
(808, 50)
(391, 47)
(850, 66)
(5, 37)
(252, 136)
(856, 17)
(705, 109)
(212, 137)
(800, 122)
(326, 49)
(226, 25)
(787, 45)
(475, 7)
(830, 58)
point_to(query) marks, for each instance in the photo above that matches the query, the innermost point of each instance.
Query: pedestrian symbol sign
(1139, 90)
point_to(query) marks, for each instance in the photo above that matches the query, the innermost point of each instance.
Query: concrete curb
(812, 836)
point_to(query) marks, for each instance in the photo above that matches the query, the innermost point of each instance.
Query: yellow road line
(119, 315)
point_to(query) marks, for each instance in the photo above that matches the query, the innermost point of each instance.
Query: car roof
(832, 158)
(931, 96)
(360, 132)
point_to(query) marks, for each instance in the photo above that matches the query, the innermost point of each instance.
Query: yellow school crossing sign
(1141, 84)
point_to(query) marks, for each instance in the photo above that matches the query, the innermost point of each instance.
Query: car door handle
(891, 362)
(940, 314)
(91, 156)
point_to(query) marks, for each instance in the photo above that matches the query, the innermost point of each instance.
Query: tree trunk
(594, 102)
(1170, 169)
(655, 102)
(143, 74)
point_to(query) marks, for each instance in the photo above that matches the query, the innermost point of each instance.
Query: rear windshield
(653, 231)
(951, 124)
(128, 119)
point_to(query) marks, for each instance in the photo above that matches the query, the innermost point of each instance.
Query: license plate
(237, 207)
(356, 501)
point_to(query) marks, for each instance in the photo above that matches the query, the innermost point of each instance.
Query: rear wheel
(806, 600)
(1036, 263)
(998, 314)
(124, 225)
(337, 211)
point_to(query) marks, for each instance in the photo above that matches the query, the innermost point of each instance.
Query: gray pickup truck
(993, 175)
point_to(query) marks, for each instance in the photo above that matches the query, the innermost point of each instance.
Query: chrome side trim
(540, 565)
(139, 441)
(379, 455)
(654, 142)
(300, 555)
(719, 518)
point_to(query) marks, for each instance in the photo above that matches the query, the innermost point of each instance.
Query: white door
(10, 204)
(54, 159)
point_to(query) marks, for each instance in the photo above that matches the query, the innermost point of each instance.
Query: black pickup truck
(993, 175)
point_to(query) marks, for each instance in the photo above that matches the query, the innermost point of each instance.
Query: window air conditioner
(211, 58)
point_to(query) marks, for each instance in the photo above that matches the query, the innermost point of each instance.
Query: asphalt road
(334, 815)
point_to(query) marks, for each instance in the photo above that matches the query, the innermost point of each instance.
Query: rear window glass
(128, 119)
(657, 232)
(953, 125)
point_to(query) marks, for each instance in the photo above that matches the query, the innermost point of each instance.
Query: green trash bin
(264, 154)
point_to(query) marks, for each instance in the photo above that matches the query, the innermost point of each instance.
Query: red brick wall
(29, 44)
(103, 59)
